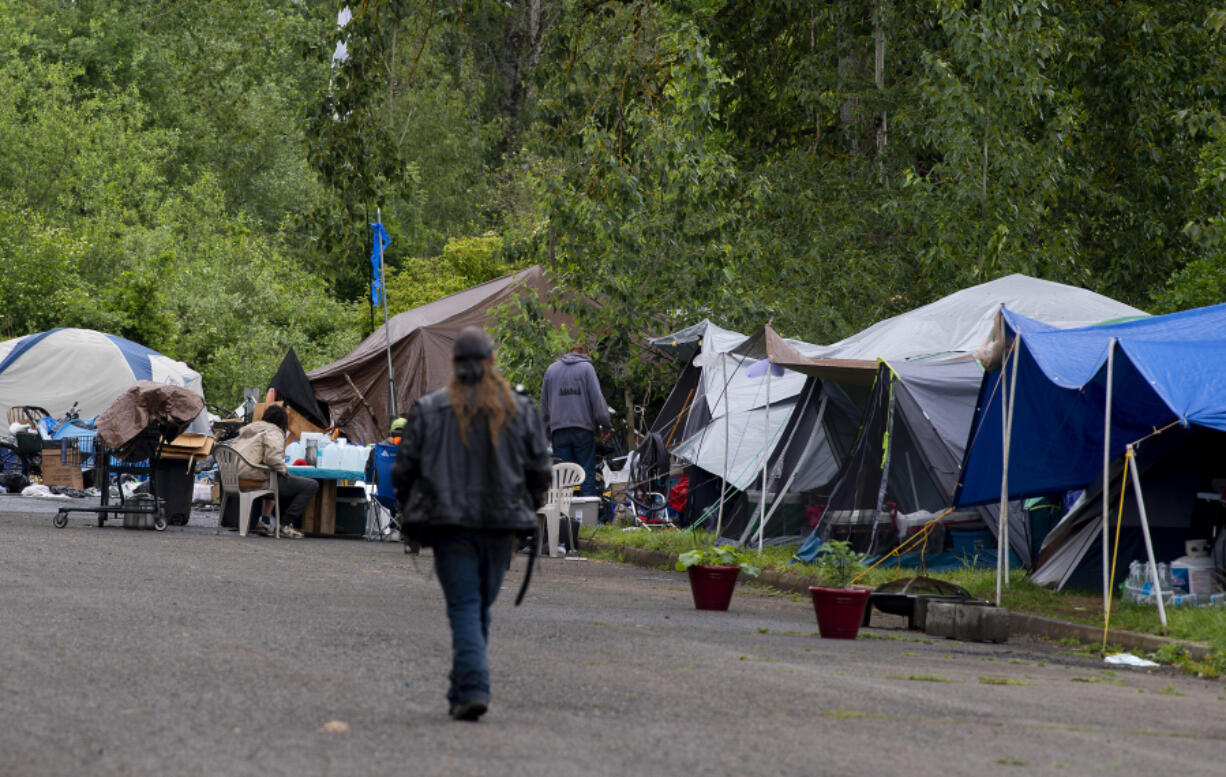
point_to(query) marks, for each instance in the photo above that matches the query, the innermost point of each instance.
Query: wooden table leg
(327, 506)
(310, 517)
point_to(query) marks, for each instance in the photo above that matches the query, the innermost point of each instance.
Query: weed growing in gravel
(1001, 681)
(851, 715)
(922, 678)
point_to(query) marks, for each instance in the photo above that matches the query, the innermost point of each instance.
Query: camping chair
(382, 493)
(228, 461)
(30, 451)
(566, 477)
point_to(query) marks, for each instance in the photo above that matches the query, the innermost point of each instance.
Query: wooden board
(297, 422)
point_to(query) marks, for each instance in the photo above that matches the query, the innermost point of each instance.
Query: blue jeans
(578, 446)
(470, 566)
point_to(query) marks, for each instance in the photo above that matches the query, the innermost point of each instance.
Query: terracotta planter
(839, 610)
(712, 586)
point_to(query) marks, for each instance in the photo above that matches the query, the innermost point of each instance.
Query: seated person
(396, 431)
(263, 442)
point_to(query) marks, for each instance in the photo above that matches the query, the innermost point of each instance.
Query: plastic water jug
(353, 458)
(294, 451)
(330, 457)
(1193, 573)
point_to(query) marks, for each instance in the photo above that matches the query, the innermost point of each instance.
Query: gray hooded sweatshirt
(571, 397)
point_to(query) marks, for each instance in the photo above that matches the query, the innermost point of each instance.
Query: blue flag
(379, 243)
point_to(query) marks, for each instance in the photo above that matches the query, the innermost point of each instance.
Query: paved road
(189, 653)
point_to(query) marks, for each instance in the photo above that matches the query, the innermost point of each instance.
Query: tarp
(421, 341)
(144, 403)
(953, 325)
(56, 368)
(1166, 369)
(294, 388)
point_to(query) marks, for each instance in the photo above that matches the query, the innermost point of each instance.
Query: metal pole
(1107, 475)
(1006, 428)
(723, 481)
(765, 456)
(1012, 406)
(387, 331)
(1149, 545)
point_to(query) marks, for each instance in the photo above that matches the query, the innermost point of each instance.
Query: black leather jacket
(442, 484)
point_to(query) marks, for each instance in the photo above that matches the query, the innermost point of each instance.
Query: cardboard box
(61, 465)
(188, 446)
(297, 422)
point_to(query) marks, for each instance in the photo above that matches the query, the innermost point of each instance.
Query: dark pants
(579, 447)
(470, 566)
(296, 493)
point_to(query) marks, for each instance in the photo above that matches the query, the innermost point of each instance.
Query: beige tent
(421, 341)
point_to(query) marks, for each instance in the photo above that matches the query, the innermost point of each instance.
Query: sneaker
(469, 710)
(263, 529)
(291, 532)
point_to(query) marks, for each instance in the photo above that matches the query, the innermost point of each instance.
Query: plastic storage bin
(971, 542)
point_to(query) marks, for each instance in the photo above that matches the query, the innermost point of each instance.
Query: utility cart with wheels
(139, 510)
(131, 435)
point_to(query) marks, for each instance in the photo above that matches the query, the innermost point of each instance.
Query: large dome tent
(60, 367)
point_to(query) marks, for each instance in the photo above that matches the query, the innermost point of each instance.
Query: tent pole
(1012, 407)
(765, 455)
(1149, 545)
(1006, 425)
(387, 332)
(821, 411)
(723, 480)
(1107, 474)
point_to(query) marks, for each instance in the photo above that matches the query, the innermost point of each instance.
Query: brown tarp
(421, 354)
(766, 342)
(143, 403)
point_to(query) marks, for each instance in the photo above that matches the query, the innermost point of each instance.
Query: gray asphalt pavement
(130, 652)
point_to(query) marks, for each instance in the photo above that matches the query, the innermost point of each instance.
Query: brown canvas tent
(421, 341)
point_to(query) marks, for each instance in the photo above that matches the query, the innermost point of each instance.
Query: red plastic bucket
(839, 610)
(712, 586)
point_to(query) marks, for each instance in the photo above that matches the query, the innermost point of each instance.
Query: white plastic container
(294, 451)
(330, 457)
(1193, 573)
(353, 458)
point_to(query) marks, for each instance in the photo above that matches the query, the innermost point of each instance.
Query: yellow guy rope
(905, 545)
(1119, 520)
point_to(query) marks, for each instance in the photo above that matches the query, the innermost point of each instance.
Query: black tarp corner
(291, 385)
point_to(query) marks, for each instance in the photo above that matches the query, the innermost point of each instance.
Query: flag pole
(387, 332)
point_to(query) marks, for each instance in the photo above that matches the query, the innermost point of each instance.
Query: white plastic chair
(566, 477)
(228, 461)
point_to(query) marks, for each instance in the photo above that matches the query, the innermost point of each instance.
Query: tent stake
(1149, 545)
(1107, 473)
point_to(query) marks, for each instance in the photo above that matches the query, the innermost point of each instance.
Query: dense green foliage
(198, 176)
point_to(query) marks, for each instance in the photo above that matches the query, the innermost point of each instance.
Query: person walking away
(263, 442)
(470, 473)
(573, 408)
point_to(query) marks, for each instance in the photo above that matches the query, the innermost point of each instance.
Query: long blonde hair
(488, 396)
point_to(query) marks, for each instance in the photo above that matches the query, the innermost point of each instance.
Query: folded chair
(228, 461)
(382, 493)
(566, 477)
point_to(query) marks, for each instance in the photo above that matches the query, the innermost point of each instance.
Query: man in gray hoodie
(572, 408)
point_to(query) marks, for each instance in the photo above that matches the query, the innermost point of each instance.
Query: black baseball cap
(472, 343)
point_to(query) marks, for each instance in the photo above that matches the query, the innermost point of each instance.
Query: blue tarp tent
(1165, 369)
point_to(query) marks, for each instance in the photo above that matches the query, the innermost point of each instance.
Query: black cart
(146, 510)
